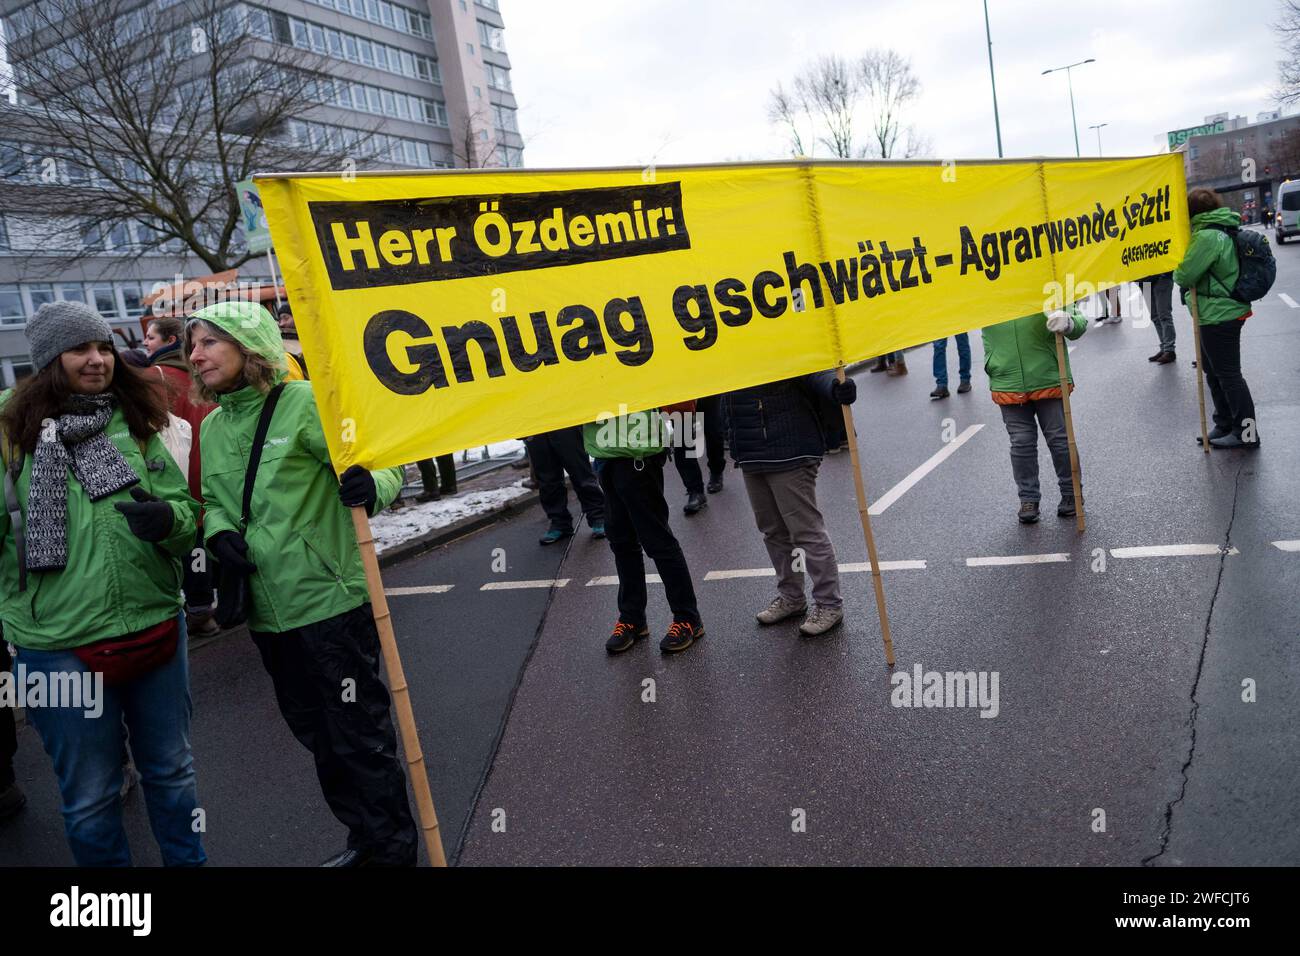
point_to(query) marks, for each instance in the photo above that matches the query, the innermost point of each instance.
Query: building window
(39, 293)
(342, 45)
(131, 300)
(505, 118)
(498, 77)
(105, 301)
(4, 235)
(11, 305)
(491, 37)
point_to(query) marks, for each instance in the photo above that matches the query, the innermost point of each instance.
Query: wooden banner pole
(416, 768)
(861, 487)
(1069, 434)
(1200, 371)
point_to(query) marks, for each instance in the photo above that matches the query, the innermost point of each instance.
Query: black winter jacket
(777, 426)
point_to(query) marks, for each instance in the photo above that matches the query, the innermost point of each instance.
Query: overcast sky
(628, 82)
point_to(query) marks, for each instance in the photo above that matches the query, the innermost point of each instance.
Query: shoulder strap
(13, 469)
(255, 455)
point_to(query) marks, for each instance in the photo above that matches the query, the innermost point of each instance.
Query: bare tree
(1287, 28)
(890, 87)
(830, 96)
(146, 119)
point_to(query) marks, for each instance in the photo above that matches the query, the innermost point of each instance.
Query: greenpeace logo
(76, 909)
(273, 442)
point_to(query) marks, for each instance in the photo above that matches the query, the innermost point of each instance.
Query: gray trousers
(1160, 292)
(1019, 420)
(785, 509)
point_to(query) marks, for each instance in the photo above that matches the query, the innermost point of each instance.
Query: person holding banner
(292, 540)
(777, 440)
(1211, 268)
(1024, 378)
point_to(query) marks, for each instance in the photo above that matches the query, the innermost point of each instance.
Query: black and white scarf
(74, 440)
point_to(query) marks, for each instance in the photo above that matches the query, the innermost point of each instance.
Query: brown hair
(258, 372)
(1202, 200)
(44, 395)
(168, 327)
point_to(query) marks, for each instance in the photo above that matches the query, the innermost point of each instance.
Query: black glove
(149, 518)
(229, 547)
(357, 488)
(845, 392)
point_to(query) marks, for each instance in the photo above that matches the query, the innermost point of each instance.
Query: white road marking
(884, 566)
(740, 573)
(999, 560)
(425, 589)
(1288, 300)
(613, 579)
(1169, 551)
(933, 462)
(1287, 545)
(514, 585)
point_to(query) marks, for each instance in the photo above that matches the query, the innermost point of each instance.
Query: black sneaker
(940, 391)
(964, 387)
(694, 502)
(624, 636)
(681, 635)
(1066, 509)
(1028, 513)
(715, 483)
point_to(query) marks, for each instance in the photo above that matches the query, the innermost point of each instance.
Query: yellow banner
(448, 310)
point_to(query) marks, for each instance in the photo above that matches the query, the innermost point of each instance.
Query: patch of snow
(392, 528)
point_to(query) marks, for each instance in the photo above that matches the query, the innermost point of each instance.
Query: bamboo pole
(1069, 434)
(416, 768)
(1200, 371)
(861, 487)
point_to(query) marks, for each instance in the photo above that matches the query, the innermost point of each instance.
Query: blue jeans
(941, 359)
(88, 753)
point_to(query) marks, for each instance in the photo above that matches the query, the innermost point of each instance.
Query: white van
(1287, 221)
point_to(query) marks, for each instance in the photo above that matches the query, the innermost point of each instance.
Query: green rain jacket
(1020, 355)
(114, 583)
(299, 534)
(1210, 266)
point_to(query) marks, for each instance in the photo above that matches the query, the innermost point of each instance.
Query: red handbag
(122, 659)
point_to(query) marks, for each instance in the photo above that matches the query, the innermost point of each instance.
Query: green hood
(250, 325)
(1223, 217)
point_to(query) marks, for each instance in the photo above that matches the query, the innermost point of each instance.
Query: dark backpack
(1256, 267)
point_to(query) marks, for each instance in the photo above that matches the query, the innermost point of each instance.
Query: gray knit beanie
(59, 326)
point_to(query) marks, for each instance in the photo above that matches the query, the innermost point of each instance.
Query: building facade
(431, 76)
(1243, 161)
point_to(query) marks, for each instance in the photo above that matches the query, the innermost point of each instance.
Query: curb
(440, 536)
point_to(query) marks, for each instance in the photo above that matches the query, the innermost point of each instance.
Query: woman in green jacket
(1210, 267)
(97, 521)
(309, 613)
(1020, 360)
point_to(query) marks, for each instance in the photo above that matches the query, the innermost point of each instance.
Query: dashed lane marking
(1287, 545)
(740, 573)
(930, 464)
(613, 579)
(1170, 551)
(1288, 300)
(884, 566)
(514, 585)
(998, 560)
(425, 589)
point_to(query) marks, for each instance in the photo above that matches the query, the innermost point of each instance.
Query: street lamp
(1098, 129)
(1070, 83)
(997, 125)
